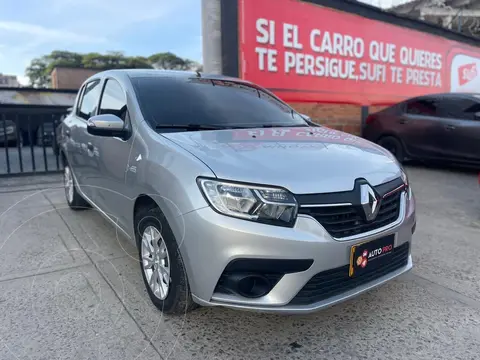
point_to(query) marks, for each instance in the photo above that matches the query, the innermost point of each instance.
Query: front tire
(74, 200)
(161, 263)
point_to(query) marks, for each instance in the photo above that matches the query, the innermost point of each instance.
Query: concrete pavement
(71, 288)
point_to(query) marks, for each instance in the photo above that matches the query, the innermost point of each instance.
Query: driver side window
(113, 100)
(424, 107)
(89, 101)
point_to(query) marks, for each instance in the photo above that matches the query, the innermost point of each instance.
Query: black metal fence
(28, 140)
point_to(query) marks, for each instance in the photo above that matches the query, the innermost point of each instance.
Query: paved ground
(26, 156)
(70, 288)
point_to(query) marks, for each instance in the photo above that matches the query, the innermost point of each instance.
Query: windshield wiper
(193, 127)
(282, 125)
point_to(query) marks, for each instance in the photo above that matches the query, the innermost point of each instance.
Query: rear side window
(89, 101)
(458, 108)
(425, 107)
(113, 100)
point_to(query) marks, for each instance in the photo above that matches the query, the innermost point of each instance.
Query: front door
(113, 153)
(420, 128)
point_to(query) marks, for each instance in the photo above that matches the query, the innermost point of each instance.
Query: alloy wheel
(68, 182)
(155, 262)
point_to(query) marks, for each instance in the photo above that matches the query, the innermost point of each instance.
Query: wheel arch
(142, 201)
(395, 136)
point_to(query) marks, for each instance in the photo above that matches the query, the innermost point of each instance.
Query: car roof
(126, 75)
(137, 73)
(451, 95)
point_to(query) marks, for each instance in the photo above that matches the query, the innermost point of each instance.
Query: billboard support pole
(220, 38)
(211, 36)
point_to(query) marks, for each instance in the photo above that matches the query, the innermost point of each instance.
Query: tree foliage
(40, 68)
(169, 61)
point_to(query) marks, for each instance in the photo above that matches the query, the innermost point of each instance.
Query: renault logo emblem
(369, 201)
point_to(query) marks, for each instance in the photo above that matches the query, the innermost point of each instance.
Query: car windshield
(203, 104)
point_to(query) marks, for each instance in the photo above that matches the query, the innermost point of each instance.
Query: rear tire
(154, 236)
(74, 200)
(393, 145)
(55, 148)
(39, 137)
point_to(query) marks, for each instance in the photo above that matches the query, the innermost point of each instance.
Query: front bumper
(210, 241)
(305, 309)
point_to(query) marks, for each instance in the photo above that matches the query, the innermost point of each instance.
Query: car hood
(303, 160)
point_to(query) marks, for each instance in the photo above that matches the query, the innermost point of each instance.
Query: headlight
(9, 129)
(410, 202)
(257, 203)
(410, 196)
(404, 177)
(403, 174)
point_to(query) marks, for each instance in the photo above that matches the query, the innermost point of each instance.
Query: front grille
(336, 281)
(344, 221)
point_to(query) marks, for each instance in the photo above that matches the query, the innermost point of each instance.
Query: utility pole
(460, 21)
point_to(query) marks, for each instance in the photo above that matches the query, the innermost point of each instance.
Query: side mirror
(106, 125)
(477, 115)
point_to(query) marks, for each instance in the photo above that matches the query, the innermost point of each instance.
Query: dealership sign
(306, 52)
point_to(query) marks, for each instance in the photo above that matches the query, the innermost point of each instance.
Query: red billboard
(306, 52)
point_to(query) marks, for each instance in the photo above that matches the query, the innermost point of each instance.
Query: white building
(9, 81)
(457, 15)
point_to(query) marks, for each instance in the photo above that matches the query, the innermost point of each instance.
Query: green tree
(168, 61)
(93, 61)
(40, 68)
(37, 73)
(137, 62)
(193, 65)
(64, 58)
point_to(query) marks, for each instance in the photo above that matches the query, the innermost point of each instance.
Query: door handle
(449, 127)
(90, 146)
(403, 121)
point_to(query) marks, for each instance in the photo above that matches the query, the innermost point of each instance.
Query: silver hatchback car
(231, 196)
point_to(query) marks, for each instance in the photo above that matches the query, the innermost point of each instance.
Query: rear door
(420, 127)
(85, 157)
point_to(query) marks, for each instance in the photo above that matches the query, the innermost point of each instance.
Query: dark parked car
(8, 132)
(45, 134)
(436, 127)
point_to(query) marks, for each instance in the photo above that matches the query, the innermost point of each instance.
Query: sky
(32, 28)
